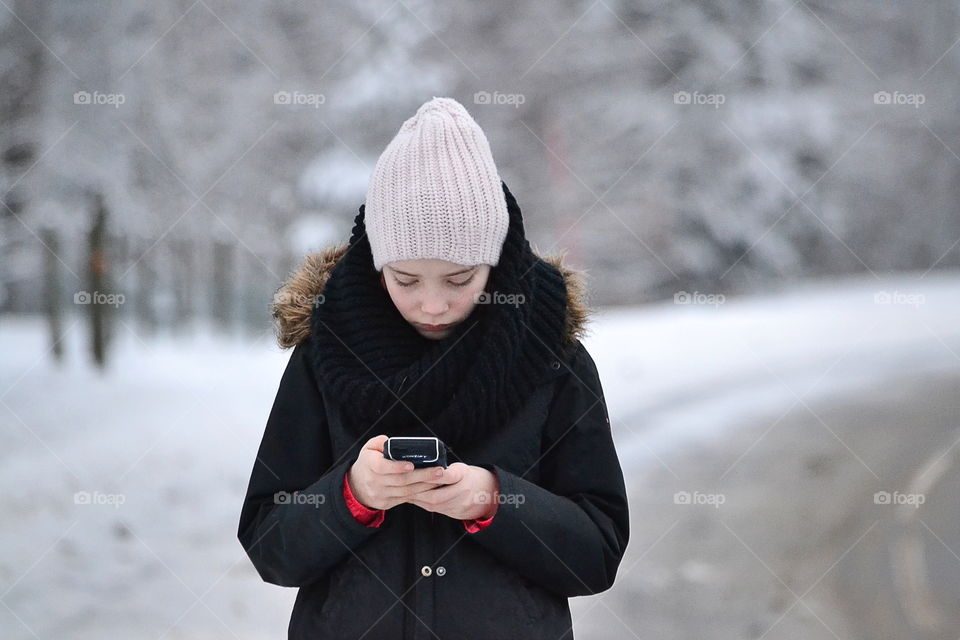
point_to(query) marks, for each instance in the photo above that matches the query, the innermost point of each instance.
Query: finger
(446, 478)
(450, 475)
(431, 474)
(410, 490)
(457, 471)
(436, 496)
(384, 466)
(376, 443)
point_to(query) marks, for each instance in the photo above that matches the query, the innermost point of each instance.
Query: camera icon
(481, 97)
(882, 97)
(82, 297)
(681, 497)
(482, 298)
(681, 97)
(81, 497)
(881, 497)
(281, 97)
(681, 297)
(282, 497)
(81, 97)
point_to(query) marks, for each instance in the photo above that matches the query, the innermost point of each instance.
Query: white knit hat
(435, 192)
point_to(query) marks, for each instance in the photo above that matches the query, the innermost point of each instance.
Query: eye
(462, 284)
(405, 284)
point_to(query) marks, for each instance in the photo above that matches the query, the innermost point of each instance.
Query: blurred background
(763, 195)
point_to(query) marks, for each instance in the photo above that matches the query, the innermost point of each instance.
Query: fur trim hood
(293, 301)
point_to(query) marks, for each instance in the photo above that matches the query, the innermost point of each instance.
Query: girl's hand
(379, 483)
(468, 493)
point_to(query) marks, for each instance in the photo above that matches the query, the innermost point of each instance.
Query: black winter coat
(560, 529)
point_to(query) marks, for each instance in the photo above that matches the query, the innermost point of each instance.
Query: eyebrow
(455, 273)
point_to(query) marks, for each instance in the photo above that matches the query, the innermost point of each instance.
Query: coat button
(441, 571)
(555, 364)
(426, 570)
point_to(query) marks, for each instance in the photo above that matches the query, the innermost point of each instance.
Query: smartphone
(421, 451)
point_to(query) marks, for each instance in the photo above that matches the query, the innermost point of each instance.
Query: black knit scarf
(461, 388)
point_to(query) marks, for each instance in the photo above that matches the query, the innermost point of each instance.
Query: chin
(435, 335)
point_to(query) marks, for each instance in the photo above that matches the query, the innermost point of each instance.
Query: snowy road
(794, 543)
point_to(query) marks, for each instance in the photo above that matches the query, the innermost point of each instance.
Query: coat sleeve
(567, 532)
(295, 524)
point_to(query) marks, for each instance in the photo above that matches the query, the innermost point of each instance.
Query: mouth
(434, 327)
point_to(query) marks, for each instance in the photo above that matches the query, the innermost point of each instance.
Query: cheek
(468, 298)
(401, 299)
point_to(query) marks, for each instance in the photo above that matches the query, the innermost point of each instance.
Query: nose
(433, 305)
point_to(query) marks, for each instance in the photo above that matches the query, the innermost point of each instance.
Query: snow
(694, 370)
(336, 176)
(171, 432)
(162, 443)
(311, 233)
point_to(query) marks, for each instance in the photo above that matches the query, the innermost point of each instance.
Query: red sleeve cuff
(362, 514)
(472, 526)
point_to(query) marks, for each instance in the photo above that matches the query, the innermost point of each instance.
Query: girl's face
(431, 293)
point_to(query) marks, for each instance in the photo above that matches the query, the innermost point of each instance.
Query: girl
(436, 319)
